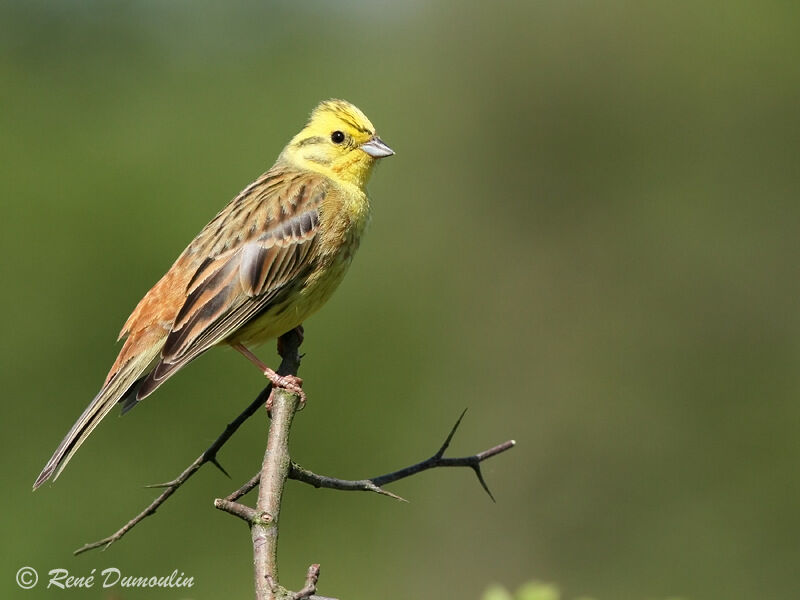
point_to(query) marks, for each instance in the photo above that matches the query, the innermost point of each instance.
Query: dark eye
(337, 137)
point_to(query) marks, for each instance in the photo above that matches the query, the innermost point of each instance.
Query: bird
(266, 262)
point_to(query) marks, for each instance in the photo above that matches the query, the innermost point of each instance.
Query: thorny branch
(277, 466)
(374, 484)
(264, 519)
(170, 487)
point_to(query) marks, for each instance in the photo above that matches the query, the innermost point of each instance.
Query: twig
(209, 456)
(311, 584)
(375, 484)
(244, 512)
(252, 483)
(438, 460)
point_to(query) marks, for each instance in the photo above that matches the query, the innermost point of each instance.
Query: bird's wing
(255, 250)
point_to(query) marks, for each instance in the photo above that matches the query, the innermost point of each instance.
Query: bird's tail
(117, 388)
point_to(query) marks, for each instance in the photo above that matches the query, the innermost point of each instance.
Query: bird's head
(338, 140)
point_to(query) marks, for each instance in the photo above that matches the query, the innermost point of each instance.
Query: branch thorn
(213, 460)
(166, 484)
(447, 441)
(477, 468)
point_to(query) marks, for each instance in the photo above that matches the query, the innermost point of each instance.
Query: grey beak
(376, 148)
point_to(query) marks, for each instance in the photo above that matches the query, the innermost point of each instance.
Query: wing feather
(245, 277)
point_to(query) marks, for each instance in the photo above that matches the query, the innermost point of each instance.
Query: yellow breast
(344, 215)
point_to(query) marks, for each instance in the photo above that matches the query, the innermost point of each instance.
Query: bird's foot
(290, 383)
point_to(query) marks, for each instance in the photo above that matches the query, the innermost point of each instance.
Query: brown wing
(255, 251)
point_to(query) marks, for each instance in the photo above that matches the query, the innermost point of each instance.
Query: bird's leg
(288, 382)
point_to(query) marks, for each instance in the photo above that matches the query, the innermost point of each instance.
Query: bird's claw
(290, 383)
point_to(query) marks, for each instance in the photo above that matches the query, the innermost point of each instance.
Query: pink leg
(287, 382)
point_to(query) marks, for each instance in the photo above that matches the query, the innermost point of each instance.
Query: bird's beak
(376, 148)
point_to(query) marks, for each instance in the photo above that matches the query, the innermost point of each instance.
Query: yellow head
(339, 141)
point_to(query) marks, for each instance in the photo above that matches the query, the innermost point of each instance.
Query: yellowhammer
(266, 262)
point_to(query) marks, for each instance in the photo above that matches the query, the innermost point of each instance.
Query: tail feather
(117, 389)
(131, 397)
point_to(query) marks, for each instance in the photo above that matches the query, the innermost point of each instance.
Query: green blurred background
(589, 237)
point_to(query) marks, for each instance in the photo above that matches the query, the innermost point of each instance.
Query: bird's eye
(337, 137)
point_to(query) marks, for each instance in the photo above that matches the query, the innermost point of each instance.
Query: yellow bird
(265, 263)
